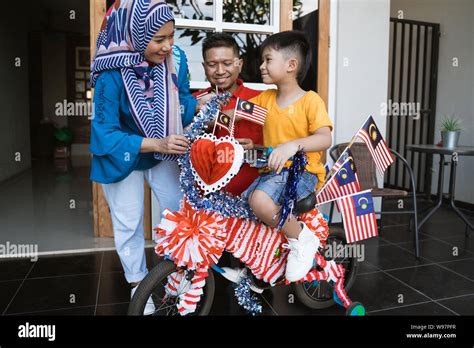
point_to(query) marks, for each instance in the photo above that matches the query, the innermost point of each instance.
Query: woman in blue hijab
(141, 103)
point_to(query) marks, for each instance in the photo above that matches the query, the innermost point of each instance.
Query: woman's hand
(172, 144)
(246, 143)
(280, 155)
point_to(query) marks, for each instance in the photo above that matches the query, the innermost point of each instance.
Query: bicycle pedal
(233, 275)
(256, 289)
(259, 284)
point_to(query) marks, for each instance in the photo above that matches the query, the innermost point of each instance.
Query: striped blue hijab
(128, 27)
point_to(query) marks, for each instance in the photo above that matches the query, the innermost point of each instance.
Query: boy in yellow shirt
(296, 119)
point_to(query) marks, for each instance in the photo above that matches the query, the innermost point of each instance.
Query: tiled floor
(50, 209)
(390, 281)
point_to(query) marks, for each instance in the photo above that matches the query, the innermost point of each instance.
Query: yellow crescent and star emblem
(364, 203)
(245, 105)
(224, 118)
(343, 173)
(351, 161)
(373, 132)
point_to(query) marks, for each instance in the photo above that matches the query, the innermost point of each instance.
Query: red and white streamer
(190, 238)
(196, 240)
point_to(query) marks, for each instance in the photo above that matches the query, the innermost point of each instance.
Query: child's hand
(246, 143)
(280, 155)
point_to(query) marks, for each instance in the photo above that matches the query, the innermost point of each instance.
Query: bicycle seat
(306, 204)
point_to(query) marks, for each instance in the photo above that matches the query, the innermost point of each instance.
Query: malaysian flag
(358, 216)
(344, 182)
(250, 111)
(223, 120)
(347, 154)
(379, 150)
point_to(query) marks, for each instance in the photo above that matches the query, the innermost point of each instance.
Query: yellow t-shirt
(299, 120)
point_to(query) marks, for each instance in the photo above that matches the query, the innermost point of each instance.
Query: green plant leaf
(451, 124)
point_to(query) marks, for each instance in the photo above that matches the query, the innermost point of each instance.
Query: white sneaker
(235, 275)
(302, 252)
(149, 307)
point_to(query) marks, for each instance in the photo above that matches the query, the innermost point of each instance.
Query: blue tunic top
(115, 137)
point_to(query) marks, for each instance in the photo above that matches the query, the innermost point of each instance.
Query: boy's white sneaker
(149, 307)
(302, 252)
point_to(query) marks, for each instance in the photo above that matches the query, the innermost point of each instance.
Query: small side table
(442, 151)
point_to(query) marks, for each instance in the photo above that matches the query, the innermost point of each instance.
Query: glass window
(249, 12)
(257, 18)
(302, 8)
(190, 40)
(192, 9)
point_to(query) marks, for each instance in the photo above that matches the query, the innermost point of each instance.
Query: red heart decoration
(206, 158)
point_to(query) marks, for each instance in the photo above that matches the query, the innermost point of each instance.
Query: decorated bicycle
(191, 241)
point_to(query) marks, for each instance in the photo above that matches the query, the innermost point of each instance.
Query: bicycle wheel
(319, 294)
(154, 285)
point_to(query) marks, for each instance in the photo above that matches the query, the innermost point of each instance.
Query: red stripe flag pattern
(250, 111)
(358, 216)
(370, 135)
(344, 182)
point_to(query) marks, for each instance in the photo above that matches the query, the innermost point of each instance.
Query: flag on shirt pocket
(370, 135)
(250, 111)
(358, 215)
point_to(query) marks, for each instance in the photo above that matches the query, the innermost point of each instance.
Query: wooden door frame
(101, 213)
(323, 49)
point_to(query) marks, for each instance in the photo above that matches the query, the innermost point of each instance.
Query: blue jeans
(274, 184)
(125, 199)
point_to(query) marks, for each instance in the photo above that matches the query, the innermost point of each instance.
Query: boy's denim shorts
(274, 185)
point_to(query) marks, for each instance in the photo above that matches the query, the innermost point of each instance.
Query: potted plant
(63, 136)
(450, 131)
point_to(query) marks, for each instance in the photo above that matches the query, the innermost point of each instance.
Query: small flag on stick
(358, 215)
(370, 135)
(342, 183)
(250, 111)
(223, 120)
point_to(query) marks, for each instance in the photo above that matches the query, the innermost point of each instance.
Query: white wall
(359, 65)
(455, 84)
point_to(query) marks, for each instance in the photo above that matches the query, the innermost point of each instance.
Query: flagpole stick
(233, 119)
(215, 123)
(232, 127)
(216, 116)
(352, 194)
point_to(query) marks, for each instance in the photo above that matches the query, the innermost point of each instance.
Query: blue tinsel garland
(246, 298)
(294, 175)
